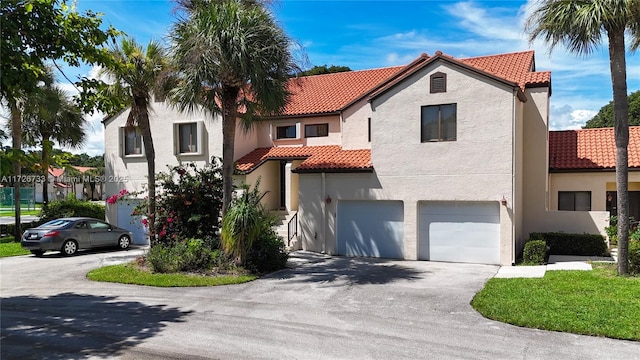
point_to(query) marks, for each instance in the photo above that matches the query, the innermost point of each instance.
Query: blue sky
(373, 34)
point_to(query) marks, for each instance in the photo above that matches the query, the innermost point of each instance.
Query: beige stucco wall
(596, 182)
(539, 187)
(269, 174)
(355, 125)
(475, 167)
(130, 172)
(266, 136)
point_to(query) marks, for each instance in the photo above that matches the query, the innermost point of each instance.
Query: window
(132, 141)
(188, 138)
(574, 200)
(438, 83)
(316, 130)
(438, 123)
(286, 132)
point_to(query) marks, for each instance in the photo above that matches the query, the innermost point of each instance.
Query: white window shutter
(298, 130)
(200, 137)
(176, 139)
(121, 142)
(271, 130)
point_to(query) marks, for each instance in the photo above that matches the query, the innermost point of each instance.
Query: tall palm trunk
(140, 102)
(16, 138)
(229, 115)
(621, 125)
(45, 169)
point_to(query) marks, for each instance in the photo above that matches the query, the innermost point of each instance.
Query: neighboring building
(61, 184)
(443, 159)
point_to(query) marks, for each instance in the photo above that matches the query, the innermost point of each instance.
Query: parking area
(323, 308)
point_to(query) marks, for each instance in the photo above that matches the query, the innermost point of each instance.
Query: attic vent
(438, 82)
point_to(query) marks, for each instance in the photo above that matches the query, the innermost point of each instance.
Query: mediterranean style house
(444, 159)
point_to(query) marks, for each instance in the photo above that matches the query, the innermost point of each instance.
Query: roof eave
(317, 171)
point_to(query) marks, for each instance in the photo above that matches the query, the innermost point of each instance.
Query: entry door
(634, 203)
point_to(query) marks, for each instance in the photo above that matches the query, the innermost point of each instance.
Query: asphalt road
(329, 308)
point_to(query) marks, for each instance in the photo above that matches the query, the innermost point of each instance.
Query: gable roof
(329, 158)
(332, 93)
(590, 149)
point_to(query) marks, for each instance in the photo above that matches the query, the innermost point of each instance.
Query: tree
(581, 26)
(139, 73)
(230, 55)
(50, 115)
(319, 70)
(34, 32)
(604, 117)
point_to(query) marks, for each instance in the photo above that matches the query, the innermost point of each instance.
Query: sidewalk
(556, 262)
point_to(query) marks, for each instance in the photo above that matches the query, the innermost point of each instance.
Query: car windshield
(56, 223)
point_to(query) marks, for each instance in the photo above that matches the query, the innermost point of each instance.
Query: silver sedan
(68, 235)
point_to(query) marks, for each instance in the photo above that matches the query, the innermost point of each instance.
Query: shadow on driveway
(75, 326)
(354, 271)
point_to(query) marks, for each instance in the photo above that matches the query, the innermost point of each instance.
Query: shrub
(189, 203)
(634, 256)
(535, 252)
(188, 255)
(71, 207)
(573, 244)
(268, 252)
(612, 230)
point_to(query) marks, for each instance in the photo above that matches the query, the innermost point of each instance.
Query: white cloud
(567, 118)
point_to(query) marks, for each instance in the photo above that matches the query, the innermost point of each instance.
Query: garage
(371, 228)
(133, 224)
(467, 232)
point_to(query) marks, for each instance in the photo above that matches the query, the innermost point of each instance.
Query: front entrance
(283, 184)
(634, 203)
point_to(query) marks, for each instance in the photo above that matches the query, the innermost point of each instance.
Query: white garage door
(133, 224)
(459, 232)
(371, 228)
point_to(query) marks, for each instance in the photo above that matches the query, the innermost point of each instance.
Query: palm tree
(139, 73)
(581, 26)
(50, 115)
(230, 55)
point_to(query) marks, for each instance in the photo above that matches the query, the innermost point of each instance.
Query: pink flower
(162, 233)
(123, 192)
(112, 199)
(144, 222)
(169, 220)
(181, 171)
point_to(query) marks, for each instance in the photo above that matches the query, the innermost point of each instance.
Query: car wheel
(37, 253)
(123, 242)
(69, 248)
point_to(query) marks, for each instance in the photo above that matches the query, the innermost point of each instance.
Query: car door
(100, 234)
(80, 233)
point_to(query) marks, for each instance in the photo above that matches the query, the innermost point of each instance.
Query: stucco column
(506, 232)
(410, 230)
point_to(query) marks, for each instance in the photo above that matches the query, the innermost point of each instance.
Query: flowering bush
(115, 197)
(189, 203)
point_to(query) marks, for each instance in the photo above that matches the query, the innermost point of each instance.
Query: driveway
(326, 308)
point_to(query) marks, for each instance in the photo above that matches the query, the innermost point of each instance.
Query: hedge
(573, 244)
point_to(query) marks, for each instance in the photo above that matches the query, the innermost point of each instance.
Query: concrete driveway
(326, 308)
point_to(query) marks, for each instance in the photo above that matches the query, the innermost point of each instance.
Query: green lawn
(10, 212)
(12, 249)
(582, 302)
(131, 274)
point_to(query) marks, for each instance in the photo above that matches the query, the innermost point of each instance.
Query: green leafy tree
(604, 117)
(49, 116)
(323, 69)
(139, 73)
(35, 32)
(230, 55)
(581, 25)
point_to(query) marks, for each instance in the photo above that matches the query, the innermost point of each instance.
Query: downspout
(324, 213)
(513, 177)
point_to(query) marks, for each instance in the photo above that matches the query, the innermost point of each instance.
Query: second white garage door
(371, 228)
(459, 232)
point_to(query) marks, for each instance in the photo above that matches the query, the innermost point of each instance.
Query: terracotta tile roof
(55, 171)
(590, 149)
(515, 67)
(317, 158)
(329, 93)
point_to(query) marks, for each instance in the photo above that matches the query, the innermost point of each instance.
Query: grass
(12, 249)
(23, 212)
(133, 274)
(594, 302)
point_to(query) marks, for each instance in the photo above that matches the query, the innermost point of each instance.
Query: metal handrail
(292, 228)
